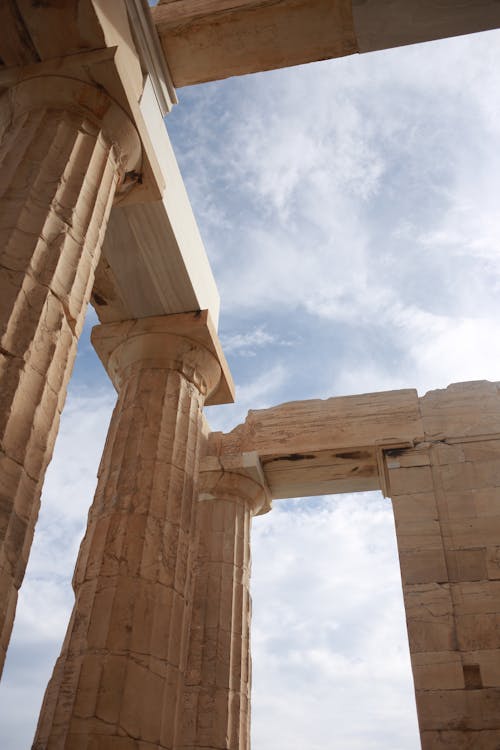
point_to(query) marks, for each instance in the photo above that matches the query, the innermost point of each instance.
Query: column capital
(186, 342)
(235, 477)
(75, 96)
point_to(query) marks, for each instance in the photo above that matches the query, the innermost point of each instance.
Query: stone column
(64, 149)
(446, 498)
(118, 681)
(216, 710)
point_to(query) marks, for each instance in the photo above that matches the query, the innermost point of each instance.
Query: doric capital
(238, 478)
(75, 97)
(185, 342)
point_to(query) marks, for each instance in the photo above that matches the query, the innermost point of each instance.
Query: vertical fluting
(119, 678)
(59, 172)
(218, 679)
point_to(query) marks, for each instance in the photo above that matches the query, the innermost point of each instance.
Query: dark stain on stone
(354, 455)
(294, 457)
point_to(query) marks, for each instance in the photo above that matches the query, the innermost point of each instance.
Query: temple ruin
(94, 210)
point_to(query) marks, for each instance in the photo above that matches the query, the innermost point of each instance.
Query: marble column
(64, 150)
(118, 681)
(216, 711)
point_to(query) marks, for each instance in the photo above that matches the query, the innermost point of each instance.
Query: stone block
(472, 532)
(423, 565)
(458, 505)
(472, 710)
(468, 451)
(478, 632)
(444, 453)
(487, 501)
(429, 618)
(437, 670)
(478, 597)
(481, 450)
(414, 507)
(406, 481)
(466, 564)
(485, 739)
(418, 535)
(470, 475)
(489, 665)
(461, 409)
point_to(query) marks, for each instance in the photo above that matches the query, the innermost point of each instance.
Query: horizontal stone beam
(206, 40)
(321, 473)
(330, 446)
(154, 261)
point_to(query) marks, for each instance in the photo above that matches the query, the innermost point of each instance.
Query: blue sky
(350, 212)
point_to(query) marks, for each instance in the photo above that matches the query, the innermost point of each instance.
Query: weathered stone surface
(488, 664)
(347, 423)
(441, 668)
(463, 710)
(461, 410)
(119, 679)
(216, 706)
(461, 740)
(467, 564)
(217, 40)
(208, 39)
(65, 147)
(448, 527)
(429, 617)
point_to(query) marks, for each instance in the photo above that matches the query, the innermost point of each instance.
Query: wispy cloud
(360, 187)
(331, 664)
(246, 344)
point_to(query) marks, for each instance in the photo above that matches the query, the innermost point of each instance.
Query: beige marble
(445, 494)
(64, 151)
(204, 40)
(216, 705)
(118, 682)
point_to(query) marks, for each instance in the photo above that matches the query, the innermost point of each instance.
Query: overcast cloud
(350, 211)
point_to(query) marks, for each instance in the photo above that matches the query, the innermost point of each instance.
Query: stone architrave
(216, 706)
(65, 147)
(118, 681)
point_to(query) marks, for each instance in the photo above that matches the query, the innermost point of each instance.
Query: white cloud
(331, 662)
(365, 186)
(246, 343)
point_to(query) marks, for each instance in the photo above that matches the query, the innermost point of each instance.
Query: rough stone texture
(63, 150)
(208, 39)
(446, 498)
(119, 679)
(216, 705)
(325, 446)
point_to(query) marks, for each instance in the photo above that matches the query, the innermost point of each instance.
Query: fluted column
(118, 680)
(64, 149)
(216, 713)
